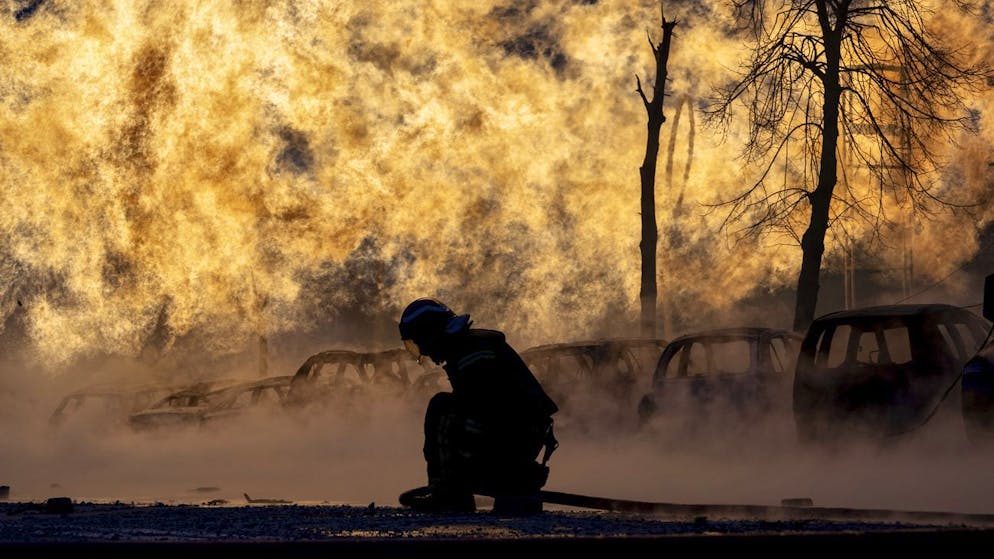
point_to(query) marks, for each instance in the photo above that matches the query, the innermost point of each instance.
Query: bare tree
(647, 173)
(857, 68)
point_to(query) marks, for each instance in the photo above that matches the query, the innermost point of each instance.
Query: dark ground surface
(119, 530)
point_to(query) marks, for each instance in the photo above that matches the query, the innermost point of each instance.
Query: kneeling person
(485, 436)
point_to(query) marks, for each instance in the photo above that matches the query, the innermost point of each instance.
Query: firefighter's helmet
(425, 321)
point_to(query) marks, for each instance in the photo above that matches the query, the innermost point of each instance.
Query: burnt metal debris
(614, 368)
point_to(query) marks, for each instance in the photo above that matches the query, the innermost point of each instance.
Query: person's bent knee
(441, 408)
(442, 402)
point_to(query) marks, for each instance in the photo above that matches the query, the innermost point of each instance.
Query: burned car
(881, 372)
(267, 394)
(113, 402)
(615, 363)
(208, 402)
(341, 376)
(392, 372)
(593, 381)
(338, 372)
(978, 381)
(722, 378)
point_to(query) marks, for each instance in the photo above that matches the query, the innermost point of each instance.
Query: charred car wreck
(882, 372)
(724, 379)
(594, 382)
(210, 402)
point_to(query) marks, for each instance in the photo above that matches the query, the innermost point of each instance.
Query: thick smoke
(219, 172)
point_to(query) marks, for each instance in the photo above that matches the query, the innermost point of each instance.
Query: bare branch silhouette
(872, 74)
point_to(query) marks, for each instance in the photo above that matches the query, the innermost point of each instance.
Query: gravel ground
(156, 523)
(112, 529)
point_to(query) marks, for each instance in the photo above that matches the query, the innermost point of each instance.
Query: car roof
(203, 387)
(891, 310)
(227, 392)
(277, 381)
(747, 331)
(332, 353)
(586, 344)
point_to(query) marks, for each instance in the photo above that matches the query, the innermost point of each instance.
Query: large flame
(240, 168)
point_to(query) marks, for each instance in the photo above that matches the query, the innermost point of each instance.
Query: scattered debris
(54, 505)
(266, 501)
(58, 505)
(216, 502)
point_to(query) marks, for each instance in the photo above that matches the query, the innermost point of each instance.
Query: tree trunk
(813, 241)
(647, 172)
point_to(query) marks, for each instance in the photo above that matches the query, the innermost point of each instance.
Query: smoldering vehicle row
(876, 374)
(344, 379)
(150, 406)
(334, 378)
(872, 373)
